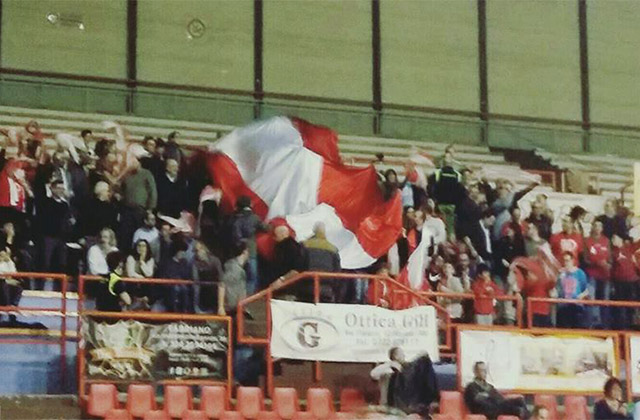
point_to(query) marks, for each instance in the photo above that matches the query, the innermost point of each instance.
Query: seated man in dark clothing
(482, 398)
(414, 387)
(111, 294)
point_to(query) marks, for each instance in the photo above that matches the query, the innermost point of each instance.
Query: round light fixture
(195, 29)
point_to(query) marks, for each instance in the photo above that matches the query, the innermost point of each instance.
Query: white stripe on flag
(275, 165)
(352, 255)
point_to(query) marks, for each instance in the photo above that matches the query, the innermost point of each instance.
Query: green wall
(614, 61)
(30, 42)
(430, 53)
(318, 48)
(323, 48)
(222, 57)
(533, 58)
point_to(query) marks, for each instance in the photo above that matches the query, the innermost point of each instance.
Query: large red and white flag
(292, 169)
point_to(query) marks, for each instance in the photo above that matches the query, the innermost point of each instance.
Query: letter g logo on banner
(308, 334)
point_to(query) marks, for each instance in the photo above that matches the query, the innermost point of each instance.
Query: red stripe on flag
(355, 195)
(319, 139)
(226, 176)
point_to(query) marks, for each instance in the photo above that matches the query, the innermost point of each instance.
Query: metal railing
(378, 281)
(148, 316)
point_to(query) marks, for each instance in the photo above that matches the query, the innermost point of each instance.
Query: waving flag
(292, 169)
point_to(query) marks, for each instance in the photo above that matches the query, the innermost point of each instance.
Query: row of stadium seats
(214, 404)
(453, 407)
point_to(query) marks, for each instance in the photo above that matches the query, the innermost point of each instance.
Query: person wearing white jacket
(382, 373)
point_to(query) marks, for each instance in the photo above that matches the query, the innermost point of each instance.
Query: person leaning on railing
(111, 293)
(572, 284)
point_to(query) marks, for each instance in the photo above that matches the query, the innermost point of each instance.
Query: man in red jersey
(566, 241)
(624, 278)
(597, 258)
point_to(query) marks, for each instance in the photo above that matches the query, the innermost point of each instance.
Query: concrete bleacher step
(169, 124)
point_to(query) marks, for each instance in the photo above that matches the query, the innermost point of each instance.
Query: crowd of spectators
(66, 209)
(482, 245)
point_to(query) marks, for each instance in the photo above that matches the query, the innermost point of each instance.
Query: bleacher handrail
(470, 296)
(317, 276)
(587, 302)
(61, 312)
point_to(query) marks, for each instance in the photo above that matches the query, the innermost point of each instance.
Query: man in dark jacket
(612, 222)
(446, 187)
(541, 220)
(171, 190)
(244, 226)
(482, 398)
(56, 225)
(289, 255)
(414, 388)
(322, 255)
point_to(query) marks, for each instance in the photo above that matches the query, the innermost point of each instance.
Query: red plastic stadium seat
(102, 399)
(117, 414)
(141, 398)
(231, 415)
(250, 402)
(285, 402)
(452, 403)
(575, 408)
(351, 399)
(177, 400)
(267, 415)
(194, 415)
(320, 403)
(550, 402)
(213, 401)
(156, 415)
(442, 417)
(303, 415)
(508, 418)
(474, 417)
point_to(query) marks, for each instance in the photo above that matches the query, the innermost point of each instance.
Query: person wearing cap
(244, 226)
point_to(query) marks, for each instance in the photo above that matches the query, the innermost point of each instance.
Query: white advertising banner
(538, 362)
(350, 333)
(634, 361)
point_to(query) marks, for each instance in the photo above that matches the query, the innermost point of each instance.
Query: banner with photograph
(350, 333)
(634, 362)
(132, 350)
(538, 362)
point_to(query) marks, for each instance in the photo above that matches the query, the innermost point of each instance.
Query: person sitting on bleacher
(612, 406)
(382, 373)
(482, 398)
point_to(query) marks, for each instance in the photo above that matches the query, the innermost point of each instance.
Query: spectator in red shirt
(624, 278)
(597, 258)
(539, 287)
(566, 241)
(485, 290)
